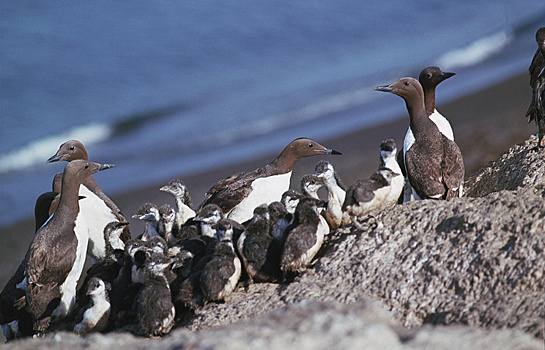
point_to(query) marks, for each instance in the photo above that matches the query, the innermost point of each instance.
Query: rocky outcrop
(466, 273)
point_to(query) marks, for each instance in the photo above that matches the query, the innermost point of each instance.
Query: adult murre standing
(240, 193)
(434, 163)
(429, 78)
(100, 209)
(15, 321)
(536, 110)
(57, 253)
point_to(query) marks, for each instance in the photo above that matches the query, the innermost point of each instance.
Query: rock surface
(460, 274)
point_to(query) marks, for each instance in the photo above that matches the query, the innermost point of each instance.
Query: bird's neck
(429, 100)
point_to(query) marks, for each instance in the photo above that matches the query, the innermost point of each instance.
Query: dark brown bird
(434, 163)
(239, 194)
(536, 110)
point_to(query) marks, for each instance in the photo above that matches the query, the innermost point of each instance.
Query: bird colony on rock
(251, 227)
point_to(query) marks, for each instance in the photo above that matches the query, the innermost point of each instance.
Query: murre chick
(304, 237)
(183, 209)
(98, 207)
(536, 110)
(379, 191)
(57, 252)
(310, 185)
(429, 78)
(167, 220)
(434, 164)
(94, 315)
(155, 311)
(239, 194)
(149, 213)
(221, 274)
(336, 194)
(291, 199)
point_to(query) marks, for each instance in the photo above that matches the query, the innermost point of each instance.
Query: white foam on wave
(40, 150)
(475, 52)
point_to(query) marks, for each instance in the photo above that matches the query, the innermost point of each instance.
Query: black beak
(330, 151)
(55, 158)
(384, 88)
(447, 75)
(104, 167)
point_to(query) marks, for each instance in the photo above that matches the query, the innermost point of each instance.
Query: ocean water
(165, 89)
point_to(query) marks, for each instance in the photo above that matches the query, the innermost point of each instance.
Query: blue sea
(165, 89)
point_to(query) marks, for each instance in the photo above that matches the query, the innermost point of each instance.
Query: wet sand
(485, 124)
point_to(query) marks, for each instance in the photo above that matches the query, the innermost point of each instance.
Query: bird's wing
(453, 167)
(228, 193)
(429, 186)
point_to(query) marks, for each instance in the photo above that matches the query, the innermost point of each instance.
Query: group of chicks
(184, 259)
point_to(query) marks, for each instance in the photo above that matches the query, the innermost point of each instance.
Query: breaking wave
(38, 151)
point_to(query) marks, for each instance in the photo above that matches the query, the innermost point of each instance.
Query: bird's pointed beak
(447, 75)
(103, 167)
(55, 158)
(164, 189)
(330, 151)
(385, 88)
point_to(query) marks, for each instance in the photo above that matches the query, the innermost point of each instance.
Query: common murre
(304, 237)
(95, 313)
(536, 110)
(429, 78)
(149, 213)
(221, 274)
(380, 191)
(434, 163)
(240, 193)
(336, 194)
(184, 210)
(57, 252)
(98, 207)
(153, 305)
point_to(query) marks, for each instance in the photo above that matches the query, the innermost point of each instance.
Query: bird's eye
(87, 167)
(72, 148)
(429, 75)
(407, 83)
(310, 145)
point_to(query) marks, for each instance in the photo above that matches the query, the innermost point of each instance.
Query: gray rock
(460, 274)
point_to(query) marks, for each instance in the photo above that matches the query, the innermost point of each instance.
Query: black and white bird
(221, 274)
(291, 199)
(95, 314)
(57, 253)
(256, 249)
(310, 185)
(183, 209)
(153, 305)
(167, 221)
(304, 237)
(149, 213)
(429, 78)
(335, 194)
(208, 217)
(239, 194)
(108, 268)
(434, 163)
(536, 110)
(98, 208)
(381, 191)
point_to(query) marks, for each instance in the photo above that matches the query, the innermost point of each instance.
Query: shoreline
(486, 124)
